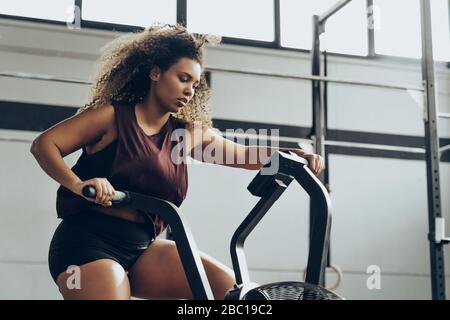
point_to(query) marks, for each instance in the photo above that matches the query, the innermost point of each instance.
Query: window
(140, 13)
(249, 19)
(58, 10)
(441, 29)
(398, 28)
(345, 31)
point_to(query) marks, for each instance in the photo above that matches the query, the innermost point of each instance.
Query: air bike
(270, 182)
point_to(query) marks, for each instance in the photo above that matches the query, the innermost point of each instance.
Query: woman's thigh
(159, 274)
(102, 279)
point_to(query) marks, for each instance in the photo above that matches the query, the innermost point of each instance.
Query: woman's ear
(155, 73)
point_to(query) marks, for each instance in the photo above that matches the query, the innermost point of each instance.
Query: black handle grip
(119, 196)
(89, 191)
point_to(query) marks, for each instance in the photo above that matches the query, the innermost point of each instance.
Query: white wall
(379, 205)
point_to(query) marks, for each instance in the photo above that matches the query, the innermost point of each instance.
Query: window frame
(276, 44)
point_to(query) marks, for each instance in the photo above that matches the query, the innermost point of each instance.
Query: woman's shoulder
(107, 113)
(105, 117)
(91, 121)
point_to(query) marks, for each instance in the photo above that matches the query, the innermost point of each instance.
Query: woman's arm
(214, 148)
(51, 146)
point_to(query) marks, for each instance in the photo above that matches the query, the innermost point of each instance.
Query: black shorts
(90, 236)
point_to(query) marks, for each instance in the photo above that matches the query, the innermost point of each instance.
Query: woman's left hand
(316, 162)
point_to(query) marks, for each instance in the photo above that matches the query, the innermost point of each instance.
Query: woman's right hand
(105, 191)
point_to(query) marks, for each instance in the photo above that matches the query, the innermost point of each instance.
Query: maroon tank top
(134, 162)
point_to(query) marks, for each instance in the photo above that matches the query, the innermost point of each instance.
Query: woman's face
(176, 84)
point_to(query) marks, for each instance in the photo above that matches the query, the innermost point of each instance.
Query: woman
(149, 86)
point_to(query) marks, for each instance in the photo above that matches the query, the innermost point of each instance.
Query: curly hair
(126, 62)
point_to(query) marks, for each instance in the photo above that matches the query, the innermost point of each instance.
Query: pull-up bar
(335, 8)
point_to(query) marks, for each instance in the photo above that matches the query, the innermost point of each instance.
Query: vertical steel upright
(432, 156)
(318, 133)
